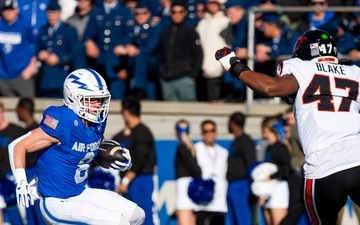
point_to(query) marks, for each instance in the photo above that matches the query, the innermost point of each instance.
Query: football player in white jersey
(67, 142)
(326, 100)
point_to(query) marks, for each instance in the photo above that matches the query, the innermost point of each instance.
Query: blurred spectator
(155, 9)
(210, 30)
(25, 110)
(105, 38)
(79, 21)
(80, 18)
(8, 132)
(354, 55)
(200, 10)
(271, 4)
(137, 184)
(164, 14)
(296, 178)
(345, 3)
(294, 18)
(242, 154)
(57, 52)
(344, 39)
(319, 16)
(186, 168)
(316, 18)
(180, 57)
(191, 12)
(236, 36)
(143, 52)
(34, 12)
(131, 4)
(238, 25)
(280, 41)
(212, 159)
(275, 207)
(68, 7)
(17, 56)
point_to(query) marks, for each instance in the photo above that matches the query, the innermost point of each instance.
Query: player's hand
(224, 55)
(23, 194)
(33, 185)
(123, 166)
(230, 62)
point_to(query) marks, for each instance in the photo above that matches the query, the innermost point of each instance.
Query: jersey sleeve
(53, 122)
(289, 67)
(286, 67)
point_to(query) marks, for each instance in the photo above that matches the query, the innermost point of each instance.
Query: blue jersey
(63, 169)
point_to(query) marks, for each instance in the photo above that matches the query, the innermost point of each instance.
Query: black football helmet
(316, 45)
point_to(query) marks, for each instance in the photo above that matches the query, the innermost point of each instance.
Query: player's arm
(260, 83)
(32, 141)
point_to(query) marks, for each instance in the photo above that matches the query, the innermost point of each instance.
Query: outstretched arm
(260, 83)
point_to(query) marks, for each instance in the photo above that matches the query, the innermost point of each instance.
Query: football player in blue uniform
(67, 141)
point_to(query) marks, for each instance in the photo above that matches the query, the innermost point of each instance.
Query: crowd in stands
(155, 49)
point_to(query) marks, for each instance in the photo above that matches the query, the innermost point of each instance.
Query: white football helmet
(80, 87)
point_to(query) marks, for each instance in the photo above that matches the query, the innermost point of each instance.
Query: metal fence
(251, 38)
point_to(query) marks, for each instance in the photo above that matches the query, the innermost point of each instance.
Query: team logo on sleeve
(51, 122)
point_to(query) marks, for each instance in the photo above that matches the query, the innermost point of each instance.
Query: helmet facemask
(94, 114)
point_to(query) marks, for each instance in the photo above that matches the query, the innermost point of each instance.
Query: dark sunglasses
(317, 3)
(177, 12)
(140, 13)
(208, 131)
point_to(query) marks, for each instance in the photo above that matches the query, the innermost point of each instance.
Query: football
(109, 151)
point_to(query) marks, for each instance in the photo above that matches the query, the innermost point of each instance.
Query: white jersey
(327, 113)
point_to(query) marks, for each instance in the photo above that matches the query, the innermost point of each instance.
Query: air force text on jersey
(81, 147)
(330, 68)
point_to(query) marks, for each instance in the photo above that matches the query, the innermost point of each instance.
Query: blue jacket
(285, 44)
(108, 31)
(64, 43)
(147, 36)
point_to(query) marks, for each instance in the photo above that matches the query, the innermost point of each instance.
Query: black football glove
(230, 62)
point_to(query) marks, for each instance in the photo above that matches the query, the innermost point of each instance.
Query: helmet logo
(76, 81)
(300, 41)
